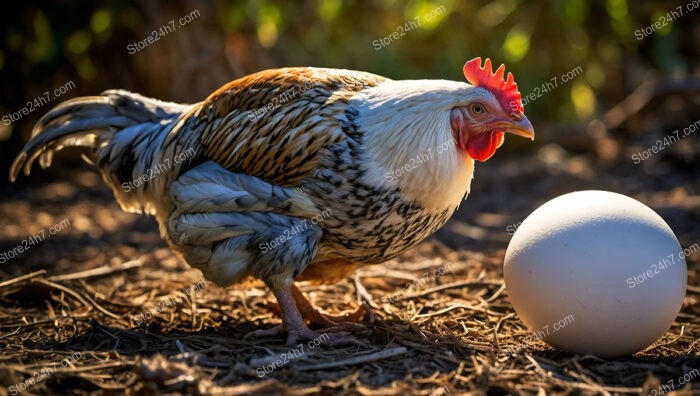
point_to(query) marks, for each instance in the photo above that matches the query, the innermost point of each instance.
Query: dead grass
(454, 331)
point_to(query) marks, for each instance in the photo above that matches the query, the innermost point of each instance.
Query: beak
(521, 126)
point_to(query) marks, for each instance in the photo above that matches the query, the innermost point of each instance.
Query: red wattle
(483, 146)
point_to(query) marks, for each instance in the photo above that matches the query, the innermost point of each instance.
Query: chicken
(292, 174)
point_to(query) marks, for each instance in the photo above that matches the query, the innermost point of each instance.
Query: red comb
(505, 91)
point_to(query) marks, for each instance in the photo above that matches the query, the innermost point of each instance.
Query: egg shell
(605, 261)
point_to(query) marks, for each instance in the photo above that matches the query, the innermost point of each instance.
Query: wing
(275, 124)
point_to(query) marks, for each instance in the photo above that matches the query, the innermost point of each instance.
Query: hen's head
(423, 136)
(492, 109)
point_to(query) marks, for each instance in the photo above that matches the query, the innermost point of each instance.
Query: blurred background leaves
(47, 44)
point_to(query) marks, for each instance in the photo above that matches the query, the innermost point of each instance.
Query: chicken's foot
(293, 324)
(326, 321)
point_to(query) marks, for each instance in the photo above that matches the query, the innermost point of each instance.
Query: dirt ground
(71, 306)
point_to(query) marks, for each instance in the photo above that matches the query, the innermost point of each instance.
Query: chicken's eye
(478, 109)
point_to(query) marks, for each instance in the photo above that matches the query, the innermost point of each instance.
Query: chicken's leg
(293, 323)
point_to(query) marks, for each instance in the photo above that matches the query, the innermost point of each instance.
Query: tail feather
(89, 122)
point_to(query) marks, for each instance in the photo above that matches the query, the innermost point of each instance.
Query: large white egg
(596, 272)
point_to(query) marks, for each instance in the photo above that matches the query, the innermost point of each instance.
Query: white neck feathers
(409, 139)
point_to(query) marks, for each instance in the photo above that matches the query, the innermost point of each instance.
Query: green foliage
(538, 41)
